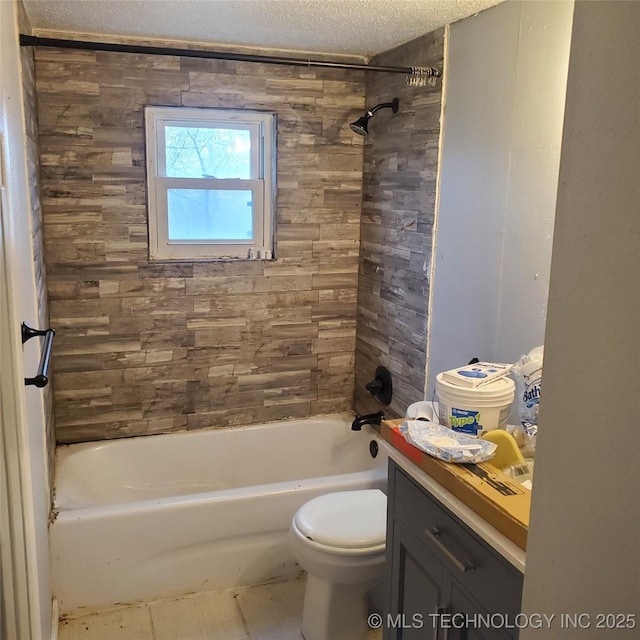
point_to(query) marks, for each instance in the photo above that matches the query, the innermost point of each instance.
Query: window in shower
(211, 183)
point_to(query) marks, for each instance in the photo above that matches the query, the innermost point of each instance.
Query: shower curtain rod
(418, 76)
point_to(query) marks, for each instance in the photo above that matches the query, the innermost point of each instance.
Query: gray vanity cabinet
(440, 574)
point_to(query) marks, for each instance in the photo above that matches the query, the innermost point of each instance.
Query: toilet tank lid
(346, 520)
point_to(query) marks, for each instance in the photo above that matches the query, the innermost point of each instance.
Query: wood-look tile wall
(146, 347)
(399, 191)
(37, 237)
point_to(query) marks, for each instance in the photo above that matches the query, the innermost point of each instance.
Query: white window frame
(262, 127)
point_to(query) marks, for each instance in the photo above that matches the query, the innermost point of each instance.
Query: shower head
(361, 125)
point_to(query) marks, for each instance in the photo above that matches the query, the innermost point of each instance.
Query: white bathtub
(157, 516)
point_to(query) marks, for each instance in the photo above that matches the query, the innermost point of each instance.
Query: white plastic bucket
(474, 411)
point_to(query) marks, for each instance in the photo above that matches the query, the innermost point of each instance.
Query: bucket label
(465, 421)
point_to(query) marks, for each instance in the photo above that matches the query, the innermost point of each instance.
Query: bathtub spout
(370, 418)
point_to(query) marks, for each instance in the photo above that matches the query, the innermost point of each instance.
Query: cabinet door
(469, 621)
(418, 590)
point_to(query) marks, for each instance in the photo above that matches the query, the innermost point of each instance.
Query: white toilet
(339, 539)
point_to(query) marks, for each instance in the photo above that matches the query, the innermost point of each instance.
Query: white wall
(583, 550)
(505, 84)
(27, 461)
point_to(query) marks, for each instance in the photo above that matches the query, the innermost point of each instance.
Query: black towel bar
(41, 379)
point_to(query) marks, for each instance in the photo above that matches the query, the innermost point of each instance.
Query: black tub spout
(370, 418)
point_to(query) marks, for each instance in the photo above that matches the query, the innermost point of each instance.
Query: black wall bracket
(381, 387)
(41, 379)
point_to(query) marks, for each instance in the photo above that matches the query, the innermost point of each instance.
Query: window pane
(210, 214)
(208, 152)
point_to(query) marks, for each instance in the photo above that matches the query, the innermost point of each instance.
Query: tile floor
(265, 612)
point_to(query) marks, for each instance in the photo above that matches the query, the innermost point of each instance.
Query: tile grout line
(242, 616)
(151, 625)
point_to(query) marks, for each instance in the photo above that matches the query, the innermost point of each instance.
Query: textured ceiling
(356, 27)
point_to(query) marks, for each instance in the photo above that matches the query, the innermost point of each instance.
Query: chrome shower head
(361, 125)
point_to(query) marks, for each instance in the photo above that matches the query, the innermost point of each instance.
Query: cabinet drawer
(482, 572)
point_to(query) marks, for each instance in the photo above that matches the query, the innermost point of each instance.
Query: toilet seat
(347, 521)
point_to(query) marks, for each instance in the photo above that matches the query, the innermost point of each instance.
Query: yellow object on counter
(507, 453)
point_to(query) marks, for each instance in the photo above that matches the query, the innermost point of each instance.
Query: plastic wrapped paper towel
(445, 444)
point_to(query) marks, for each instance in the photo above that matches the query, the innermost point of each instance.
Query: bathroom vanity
(443, 581)
(450, 574)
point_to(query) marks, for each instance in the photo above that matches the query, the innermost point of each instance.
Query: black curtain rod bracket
(416, 76)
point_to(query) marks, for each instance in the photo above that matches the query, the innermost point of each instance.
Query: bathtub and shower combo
(158, 516)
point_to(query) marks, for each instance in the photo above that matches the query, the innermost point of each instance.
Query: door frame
(25, 496)
(15, 591)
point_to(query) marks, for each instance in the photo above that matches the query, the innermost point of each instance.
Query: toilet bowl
(339, 540)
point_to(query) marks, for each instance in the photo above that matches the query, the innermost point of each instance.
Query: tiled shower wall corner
(399, 192)
(148, 347)
(37, 238)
